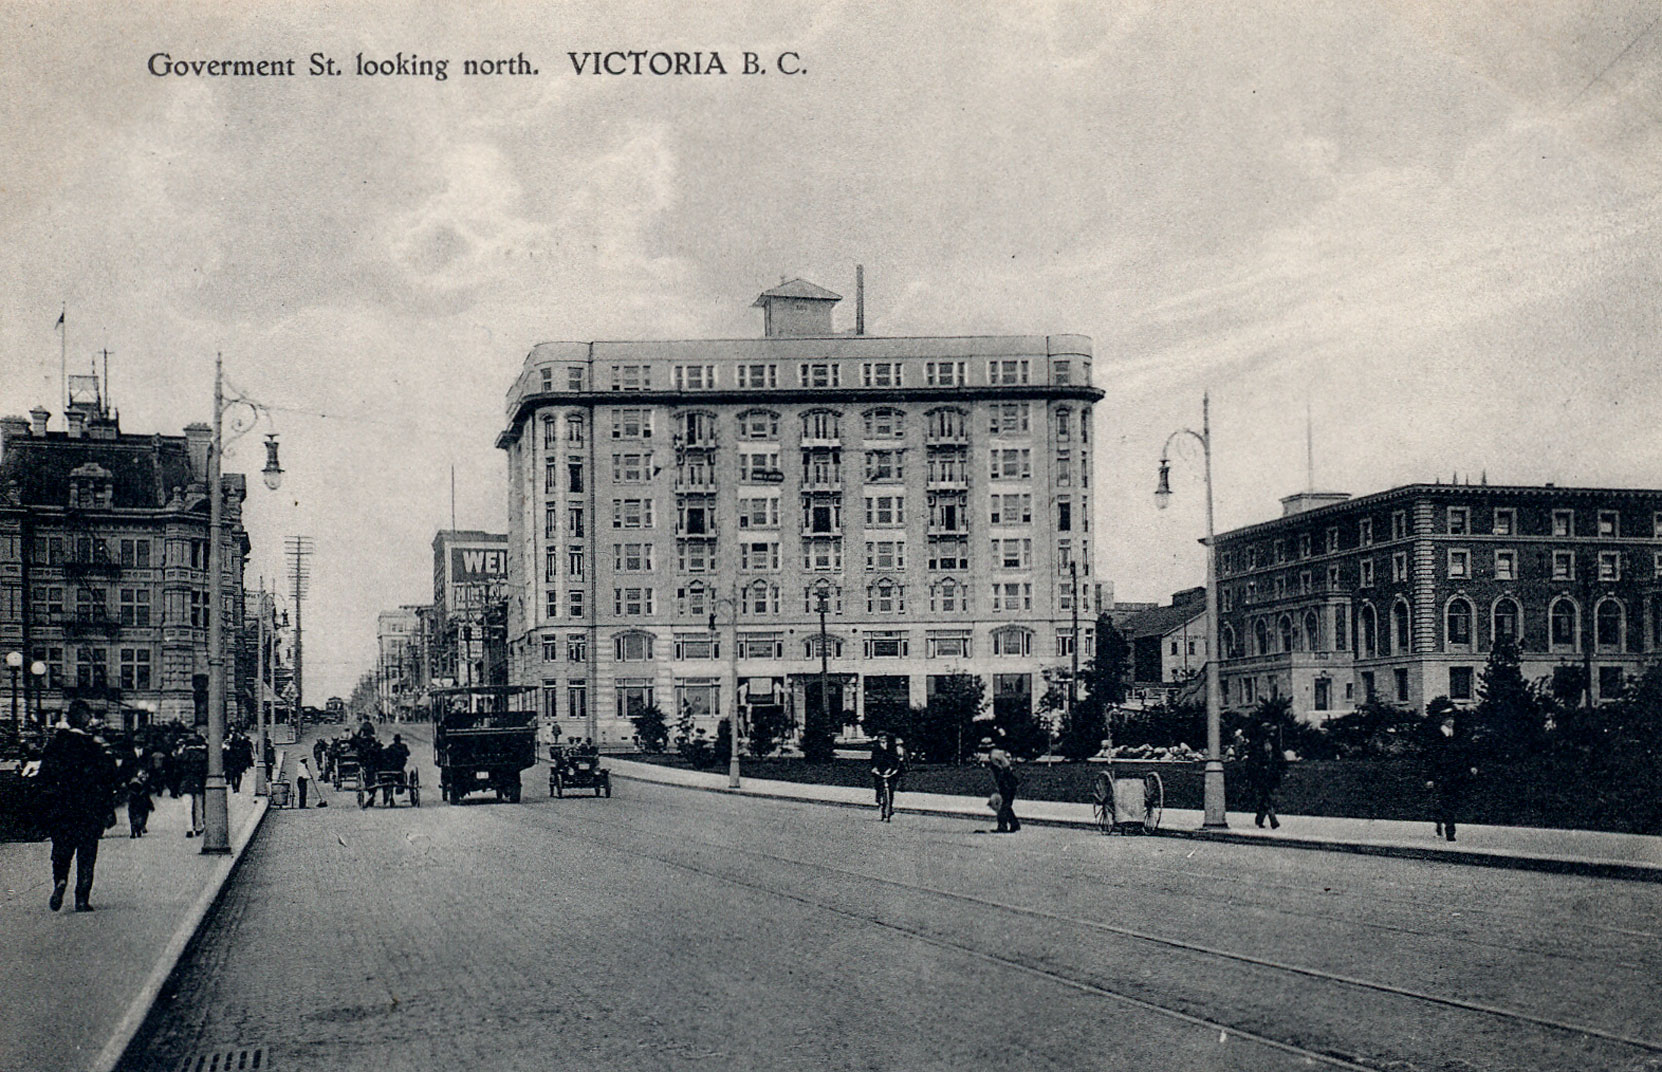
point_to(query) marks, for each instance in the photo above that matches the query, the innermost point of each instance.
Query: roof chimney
(12, 428)
(41, 415)
(77, 419)
(197, 438)
(859, 299)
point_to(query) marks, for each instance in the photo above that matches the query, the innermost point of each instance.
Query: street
(669, 928)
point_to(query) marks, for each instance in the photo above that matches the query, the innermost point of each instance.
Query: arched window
(1228, 637)
(1369, 625)
(884, 422)
(632, 647)
(550, 437)
(1284, 628)
(946, 423)
(1458, 625)
(1610, 624)
(1312, 631)
(822, 424)
(1508, 620)
(1565, 622)
(759, 597)
(695, 600)
(1261, 637)
(885, 597)
(1401, 634)
(575, 429)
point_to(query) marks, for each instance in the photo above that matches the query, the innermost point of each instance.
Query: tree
(1507, 719)
(651, 729)
(1105, 674)
(769, 726)
(945, 728)
(819, 734)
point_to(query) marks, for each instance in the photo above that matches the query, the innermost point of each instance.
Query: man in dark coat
(192, 761)
(77, 787)
(1003, 769)
(1265, 766)
(1449, 768)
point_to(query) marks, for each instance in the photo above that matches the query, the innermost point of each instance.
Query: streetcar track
(1460, 1004)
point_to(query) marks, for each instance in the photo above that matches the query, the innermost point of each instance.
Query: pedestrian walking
(192, 762)
(1003, 770)
(1265, 767)
(139, 805)
(1450, 768)
(77, 793)
(302, 780)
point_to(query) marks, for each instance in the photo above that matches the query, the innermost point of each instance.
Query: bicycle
(885, 799)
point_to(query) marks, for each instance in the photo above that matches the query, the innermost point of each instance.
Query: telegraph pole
(299, 549)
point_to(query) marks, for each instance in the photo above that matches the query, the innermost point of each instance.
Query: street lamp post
(37, 671)
(259, 693)
(1213, 796)
(822, 592)
(733, 670)
(216, 819)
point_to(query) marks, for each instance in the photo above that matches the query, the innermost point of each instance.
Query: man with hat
(1003, 770)
(77, 786)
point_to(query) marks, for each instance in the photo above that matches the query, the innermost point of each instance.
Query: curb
(109, 1058)
(1551, 864)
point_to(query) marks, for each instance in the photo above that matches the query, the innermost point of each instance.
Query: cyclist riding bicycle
(885, 769)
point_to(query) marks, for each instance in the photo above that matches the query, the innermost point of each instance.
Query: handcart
(391, 784)
(1128, 803)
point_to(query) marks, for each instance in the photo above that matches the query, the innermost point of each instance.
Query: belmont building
(1398, 596)
(682, 512)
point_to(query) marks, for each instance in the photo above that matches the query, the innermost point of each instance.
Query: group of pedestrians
(888, 767)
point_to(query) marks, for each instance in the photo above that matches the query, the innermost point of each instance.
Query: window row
(703, 376)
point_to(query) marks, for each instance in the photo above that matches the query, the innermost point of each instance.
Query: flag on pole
(59, 324)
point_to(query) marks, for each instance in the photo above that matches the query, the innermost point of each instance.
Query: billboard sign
(477, 564)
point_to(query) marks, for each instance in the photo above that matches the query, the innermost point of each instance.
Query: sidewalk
(77, 985)
(1580, 852)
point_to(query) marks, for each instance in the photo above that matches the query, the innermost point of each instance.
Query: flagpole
(63, 354)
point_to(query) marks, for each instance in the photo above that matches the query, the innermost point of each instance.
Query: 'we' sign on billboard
(477, 564)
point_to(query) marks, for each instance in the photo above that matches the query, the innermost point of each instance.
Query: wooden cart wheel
(1102, 802)
(1154, 801)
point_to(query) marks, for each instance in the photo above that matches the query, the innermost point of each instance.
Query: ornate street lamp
(1213, 801)
(37, 670)
(822, 592)
(216, 821)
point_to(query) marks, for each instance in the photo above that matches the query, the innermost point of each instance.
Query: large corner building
(681, 513)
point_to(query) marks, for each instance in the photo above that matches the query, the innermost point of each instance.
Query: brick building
(103, 563)
(677, 508)
(1399, 595)
(464, 631)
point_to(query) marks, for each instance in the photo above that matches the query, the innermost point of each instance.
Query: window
(92, 668)
(577, 648)
(885, 511)
(694, 377)
(1656, 525)
(1458, 621)
(1012, 554)
(1331, 542)
(633, 697)
(1064, 425)
(1610, 565)
(575, 430)
(948, 597)
(880, 374)
(1333, 578)
(1506, 565)
(631, 423)
(695, 556)
(1012, 464)
(821, 424)
(833, 596)
(547, 379)
(1609, 625)
(944, 374)
(574, 475)
(1610, 523)
(1459, 682)
(758, 424)
(1563, 522)
(1304, 584)
(1563, 565)
(1612, 682)
(135, 668)
(1399, 524)
(633, 602)
(759, 512)
(1459, 521)
(822, 556)
(759, 555)
(1400, 675)
(1364, 531)
(574, 377)
(1011, 509)
(948, 553)
(551, 523)
(135, 553)
(1007, 418)
(1506, 522)
(1008, 597)
(1506, 618)
(135, 606)
(693, 601)
(885, 556)
(1064, 514)
(885, 466)
(822, 645)
(885, 597)
(1656, 563)
(1341, 629)
(1399, 567)
(1012, 642)
(632, 557)
(756, 375)
(821, 374)
(1007, 371)
(948, 511)
(1459, 564)
(759, 465)
(697, 646)
(574, 521)
(574, 562)
(950, 424)
(577, 699)
(1280, 551)
(822, 514)
(631, 468)
(1064, 469)
(632, 647)
(631, 377)
(949, 647)
(1368, 626)
(198, 609)
(1401, 635)
(760, 646)
(550, 433)
(574, 603)
(1564, 626)
(1061, 370)
(759, 597)
(632, 513)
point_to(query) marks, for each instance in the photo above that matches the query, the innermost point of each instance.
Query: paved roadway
(675, 929)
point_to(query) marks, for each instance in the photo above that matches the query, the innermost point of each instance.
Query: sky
(1414, 241)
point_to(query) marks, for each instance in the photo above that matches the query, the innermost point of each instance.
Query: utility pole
(299, 548)
(1073, 677)
(820, 590)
